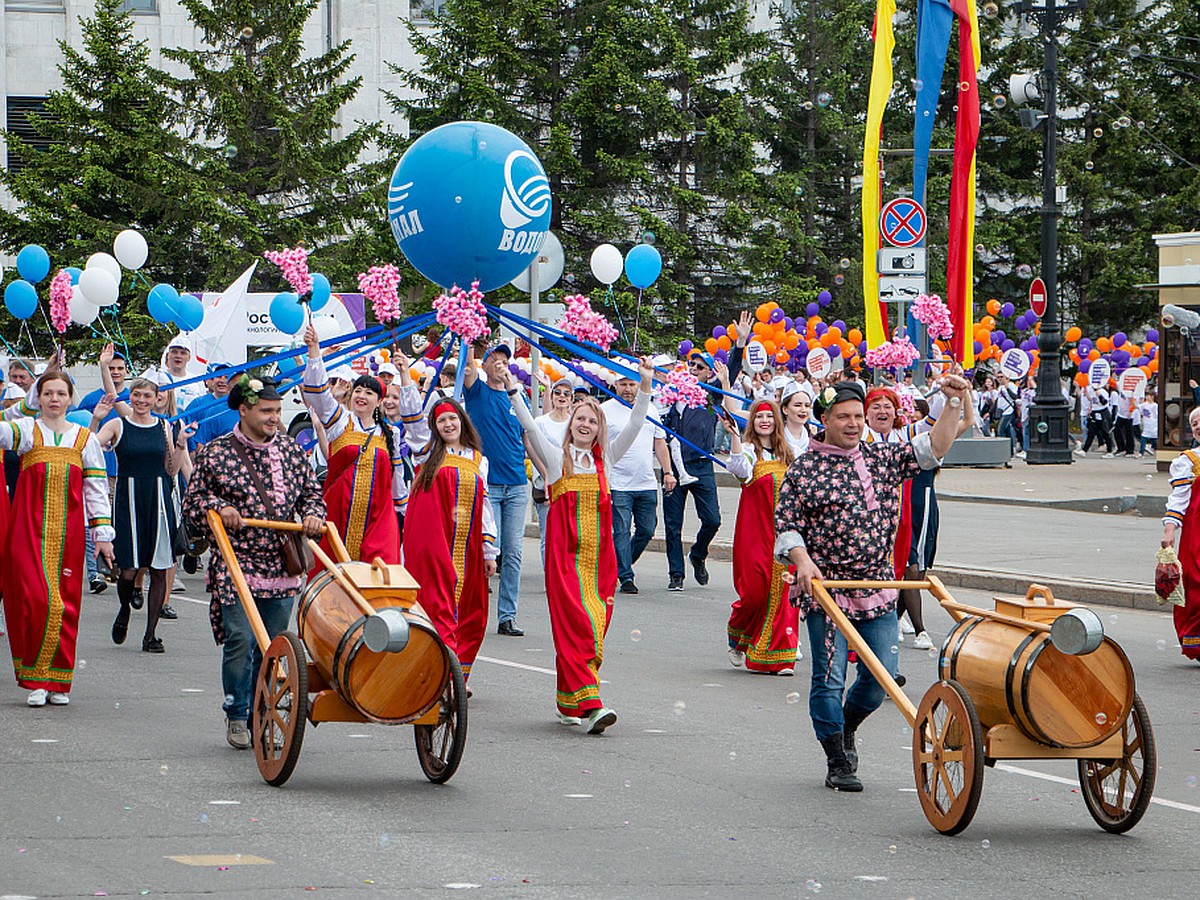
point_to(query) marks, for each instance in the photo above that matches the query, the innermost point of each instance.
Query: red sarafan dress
(581, 580)
(762, 623)
(45, 544)
(1187, 617)
(449, 537)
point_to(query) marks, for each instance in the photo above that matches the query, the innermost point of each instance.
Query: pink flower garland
(585, 323)
(931, 312)
(463, 312)
(897, 354)
(60, 301)
(294, 265)
(682, 385)
(378, 285)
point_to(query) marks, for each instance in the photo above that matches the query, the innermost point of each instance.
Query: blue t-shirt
(89, 403)
(214, 416)
(500, 431)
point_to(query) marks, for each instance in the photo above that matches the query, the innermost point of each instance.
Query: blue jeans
(825, 695)
(240, 655)
(639, 509)
(543, 512)
(1006, 429)
(704, 494)
(89, 556)
(508, 507)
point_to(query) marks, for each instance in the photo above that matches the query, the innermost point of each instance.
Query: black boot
(852, 717)
(839, 777)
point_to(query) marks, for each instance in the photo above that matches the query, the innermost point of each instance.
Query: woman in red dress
(63, 489)
(581, 561)
(763, 626)
(451, 549)
(1183, 517)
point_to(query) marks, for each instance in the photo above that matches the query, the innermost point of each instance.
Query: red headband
(759, 405)
(444, 407)
(884, 393)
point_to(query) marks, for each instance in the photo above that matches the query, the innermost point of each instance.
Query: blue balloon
(811, 310)
(189, 312)
(33, 263)
(469, 201)
(163, 303)
(287, 314)
(1007, 344)
(80, 417)
(21, 299)
(824, 298)
(74, 272)
(321, 292)
(643, 265)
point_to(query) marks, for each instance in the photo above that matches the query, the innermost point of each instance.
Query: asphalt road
(709, 785)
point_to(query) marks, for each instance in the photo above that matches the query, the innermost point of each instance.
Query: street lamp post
(1049, 441)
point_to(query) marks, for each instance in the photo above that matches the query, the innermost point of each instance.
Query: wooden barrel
(1017, 676)
(391, 688)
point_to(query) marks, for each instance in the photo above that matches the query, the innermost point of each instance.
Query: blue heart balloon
(643, 265)
(163, 303)
(189, 312)
(21, 299)
(321, 292)
(33, 263)
(287, 314)
(469, 201)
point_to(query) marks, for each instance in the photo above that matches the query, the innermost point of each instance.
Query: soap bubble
(572, 53)
(383, 841)
(680, 707)
(81, 664)
(203, 818)
(990, 10)
(999, 101)
(979, 248)
(1141, 124)
(706, 280)
(839, 278)
(1161, 645)
(917, 84)
(1101, 719)
(985, 843)
(649, 237)
(1134, 51)
(1089, 165)
(824, 98)
(808, 104)
(812, 886)
(895, 85)
(964, 86)
(489, 114)
(844, 262)
(635, 635)
(933, 653)
(116, 706)
(894, 649)
(1123, 122)
(792, 697)
(1097, 132)
(163, 770)
(892, 848)
(732, 756)
(1190, 781)
(1024, 270)
(1112, 620)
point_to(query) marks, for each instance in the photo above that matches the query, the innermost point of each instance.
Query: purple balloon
(1007, 310)
(840, 326)
(862, 348)
(1007, 345)
(776, 316)
(824, 298)
(789, 323)
(1084, 346)
(1085, 365)
(1152, 335)
(998, 335)
(1029, 344)
(685, 347)
(718, 331)
(978, 347)
(1154, 353)
(822, 328)
(1021, 324)
(1119, 339)
(514, 368)
(811, 310)
(1143, 360)
(721, 356)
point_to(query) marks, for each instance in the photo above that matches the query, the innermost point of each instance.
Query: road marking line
(238, 859)
(526, 666)
(1074, 782)
(186, 599)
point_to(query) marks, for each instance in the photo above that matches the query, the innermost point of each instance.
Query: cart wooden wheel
(280, 708)
(1118, 791)
(948, 757)
(440, 746)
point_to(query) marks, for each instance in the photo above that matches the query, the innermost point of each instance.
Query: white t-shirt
(635, 470)
(1149, 413)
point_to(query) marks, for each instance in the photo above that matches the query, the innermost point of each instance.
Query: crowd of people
(837, 479)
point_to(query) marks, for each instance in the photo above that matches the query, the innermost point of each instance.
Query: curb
(1106, 593)
(1144, 505)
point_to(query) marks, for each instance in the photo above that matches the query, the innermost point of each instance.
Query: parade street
(710, 784)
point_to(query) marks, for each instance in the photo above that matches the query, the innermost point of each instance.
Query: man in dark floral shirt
(222, 482)
(836, 519)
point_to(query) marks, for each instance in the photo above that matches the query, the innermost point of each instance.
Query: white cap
(181, 342)
(779, 382)
(343, 373)
(39, 369)
(388, 369)
(663, 359)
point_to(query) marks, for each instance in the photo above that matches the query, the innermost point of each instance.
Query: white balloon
(130, 249)
(326, 327)
(83, 312)
(98, 287)
(105, 263)
(607, 263)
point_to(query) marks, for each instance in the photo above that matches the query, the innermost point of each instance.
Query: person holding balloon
(364, 484)
(581, 561)
(62, 492)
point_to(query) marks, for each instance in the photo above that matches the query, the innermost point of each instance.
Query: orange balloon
(812, 343)
(989, 322)
(1104, 344)
(1146, 370)
(836, 332)
(1073, 334)
(711, 345)
(847, 350)
(826, 339)
(1153, 365)
(791, 340)
(782, 356)
(993, 307)
(770, 347)
(856, 361)
(1081, 379)
(759, 328)
(1093, 354)
(1134, 350)
(1074, 356)
(763, 312)
(855, 336)
(724, 343)
(731, 330)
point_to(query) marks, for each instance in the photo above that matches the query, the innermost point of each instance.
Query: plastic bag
(1168, 577)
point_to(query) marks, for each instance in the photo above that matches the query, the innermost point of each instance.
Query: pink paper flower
(585, 323)
(683, 386)
(294, 265)
(895, 354)
(463, 312)
(931, 312)
(378, 285)
(60, 300)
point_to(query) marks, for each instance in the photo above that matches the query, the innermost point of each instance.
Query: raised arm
(110, 387)
(953, 421)
(535, 442)
(317, 395)
(637, 417)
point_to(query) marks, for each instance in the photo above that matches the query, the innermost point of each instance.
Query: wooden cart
(375, 657)
(1006, 691)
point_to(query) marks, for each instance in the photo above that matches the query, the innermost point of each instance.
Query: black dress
(144, 514)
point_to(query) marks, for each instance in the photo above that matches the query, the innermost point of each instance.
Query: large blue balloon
(74, 272)
(469, 201)
(189, 312)
(320, 292)
(286, 312)
(163, 303)
(33, 263)
(643, 265)
(21, 299)
(81, 417)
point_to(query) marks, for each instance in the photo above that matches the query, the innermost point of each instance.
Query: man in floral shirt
(836, 519)
(222, 482)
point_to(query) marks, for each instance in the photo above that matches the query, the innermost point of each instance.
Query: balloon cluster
(788, 341)
(584, 323)
(463, 312)
(682, 386)
(293, 263)
(1120, 352)
(642, 265)
(378, 284)
(551, 369)
(991, 342)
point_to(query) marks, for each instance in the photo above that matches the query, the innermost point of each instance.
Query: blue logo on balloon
(469, 201)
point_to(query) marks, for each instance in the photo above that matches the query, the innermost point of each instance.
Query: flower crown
(249, 388)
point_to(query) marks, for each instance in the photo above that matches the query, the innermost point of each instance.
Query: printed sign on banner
(755, 357)
(1133, 383)
(1099, 372)
(1015, 363)
(818, 362)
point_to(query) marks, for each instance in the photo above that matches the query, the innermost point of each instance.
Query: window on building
(145, 7)
(34, 5)
(424, 10)
(16, 121)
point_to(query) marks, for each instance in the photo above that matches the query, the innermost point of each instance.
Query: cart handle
(1040, 590)
(221, 539)
(329, 530)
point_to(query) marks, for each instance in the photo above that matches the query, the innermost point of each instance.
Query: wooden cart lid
(378, 577)
(1038, 605)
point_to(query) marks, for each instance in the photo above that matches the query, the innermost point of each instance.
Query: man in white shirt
(631, 480)
(176, 359)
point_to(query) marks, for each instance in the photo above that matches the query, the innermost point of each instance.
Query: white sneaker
(564, 719)
(1020, 454)
(899, 635)
(37, 698)
(1108, 455)
(923, 641)
(786, 672)
(57, 698)
(600, 719)
(1079, 452)
(799, 654)
(906, 626)
(737, 657)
